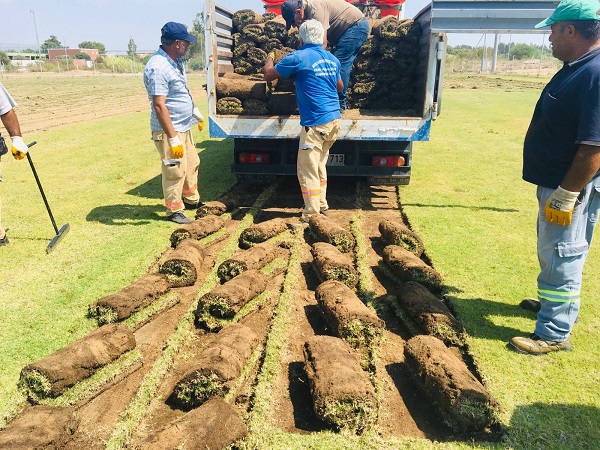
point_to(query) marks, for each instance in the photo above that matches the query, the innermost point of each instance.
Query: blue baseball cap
(177, 31)
(568, 10)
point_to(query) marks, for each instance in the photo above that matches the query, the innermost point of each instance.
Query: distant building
(57, 54)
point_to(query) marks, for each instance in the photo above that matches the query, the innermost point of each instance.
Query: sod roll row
(431, 314)
(214, 425)
(408, 267)
(182, 265)
(260, 232)
(134, 297)
(198, 229)
(327, 230)
(54, 374)
(342, 393)
(347, 315)
(217, 367)
(253, 258)
(218, 207)
(331, 264)
(463, 402)
(394, 233)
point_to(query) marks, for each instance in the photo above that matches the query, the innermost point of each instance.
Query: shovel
(65, 228)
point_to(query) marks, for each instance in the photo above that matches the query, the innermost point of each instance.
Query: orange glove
(197, 115)
(560, 205)
(176, 147)
(19, 148)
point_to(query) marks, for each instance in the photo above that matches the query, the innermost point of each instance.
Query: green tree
(93, 44)
(51, 42)
(5, 62)
(131, 48)
(196, 50)
(81, 55)
(523, 51)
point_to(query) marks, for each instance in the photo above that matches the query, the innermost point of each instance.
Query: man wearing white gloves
(18, 147)
(172, 115)
(561, 155)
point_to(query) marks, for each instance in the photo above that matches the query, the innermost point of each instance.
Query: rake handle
(37, 180)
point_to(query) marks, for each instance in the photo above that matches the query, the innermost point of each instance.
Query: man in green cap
(561, 156)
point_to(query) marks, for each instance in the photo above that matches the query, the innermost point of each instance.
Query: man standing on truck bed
(318, 81)
(561, 155)
(346, 28)
(172, 115)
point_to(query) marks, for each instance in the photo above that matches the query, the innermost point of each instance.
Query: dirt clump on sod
(182, 265)
(198, 229)
(431, 314)
(253, 258)
(463, 402)
(40, 427)
(226, 300)
(394, 233)
(214, 425)
(216, 368)
(54, 374)
(331, 264)
(409, 267)
(341, 391)
(218, 207)
(260, 232)
(347, 315)
(327, 230)
(135, 297)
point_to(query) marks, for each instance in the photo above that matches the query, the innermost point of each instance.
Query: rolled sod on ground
(198, 229)
(347, 315)
(462, 400)
(215, 425)
(253, 258)
(136, 296)
(332, 264)
(218, 207)
(40, 427)
(409, 267)
(326, 230)
(227, 299)
(431, 314)
(260, 232)
(217, 367)
(182, 266)
(54, 374)
(394, 233)
(341, 391)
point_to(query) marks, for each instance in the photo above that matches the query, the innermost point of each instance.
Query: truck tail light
(253, 158)
(395, 161)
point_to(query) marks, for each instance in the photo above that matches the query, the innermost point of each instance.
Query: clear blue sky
(114, 22)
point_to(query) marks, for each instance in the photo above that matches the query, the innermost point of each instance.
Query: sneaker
(324, 212)
(535, 345)
(531, 304)
(193, 205)
(179, 218)
(4, 241)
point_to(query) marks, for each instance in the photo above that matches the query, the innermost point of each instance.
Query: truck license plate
(335, 159)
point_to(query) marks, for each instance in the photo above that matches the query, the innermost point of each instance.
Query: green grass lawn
(466, 199)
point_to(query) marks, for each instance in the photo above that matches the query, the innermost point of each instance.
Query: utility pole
(495, 55)
(37, 40)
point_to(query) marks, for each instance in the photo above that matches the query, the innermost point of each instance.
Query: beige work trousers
(313, 151)
(179, 180)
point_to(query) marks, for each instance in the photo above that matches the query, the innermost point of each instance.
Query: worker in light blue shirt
(318, 81)
(172, 115)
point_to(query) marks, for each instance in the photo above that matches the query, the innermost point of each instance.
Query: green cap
(568, 10)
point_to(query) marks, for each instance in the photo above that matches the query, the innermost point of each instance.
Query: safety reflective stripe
(191, 190)
(311, 193)
(174, 205)
(558, 296)
(323, 182)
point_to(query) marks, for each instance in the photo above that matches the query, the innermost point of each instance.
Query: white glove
(19, 148)
(197, 115)
(560, 205)
(176, 147)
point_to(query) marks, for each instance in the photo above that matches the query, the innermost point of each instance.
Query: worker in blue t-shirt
(561, 156)
(318, 81)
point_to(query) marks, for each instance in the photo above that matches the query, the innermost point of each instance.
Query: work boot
(531, 304)
(179, 218)
(4, 240)
(324, 212)
(193, 205)
(535, 345)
